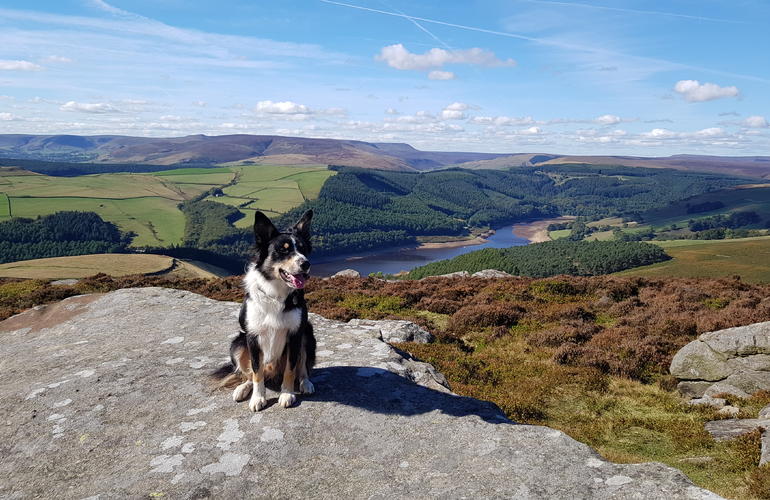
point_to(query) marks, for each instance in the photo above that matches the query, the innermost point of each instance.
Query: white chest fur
(266, 318)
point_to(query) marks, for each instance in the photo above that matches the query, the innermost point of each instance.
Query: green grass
(147, 203)
(748, 258)
(192, 171)
(5, 206)
(560, 233)
(744, 199)
(157, 221)
(272, 189)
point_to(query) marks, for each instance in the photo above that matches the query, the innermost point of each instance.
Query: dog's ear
(264, 230)
(302, 227)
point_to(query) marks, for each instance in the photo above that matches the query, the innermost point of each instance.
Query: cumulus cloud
(89, 107)
(694, 91)
(397, 56)
(281, 108)
(441, 75)
(7, 117)
(455, 111)
(756, 121)
(392, 111)
(503, 121)
(608, 120)
(9, 65)
(531, 131)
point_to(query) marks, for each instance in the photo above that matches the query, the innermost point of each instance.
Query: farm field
(742, 198)
(748, 258)
(81, 266)
(271, 189)
(147, 203)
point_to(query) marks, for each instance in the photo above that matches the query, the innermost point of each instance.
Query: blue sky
(584, 77)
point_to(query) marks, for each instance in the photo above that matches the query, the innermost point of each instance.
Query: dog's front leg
(258, 399)
(287, 397)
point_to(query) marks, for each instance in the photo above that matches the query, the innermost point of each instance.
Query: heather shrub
(575, 331)
(483, 315)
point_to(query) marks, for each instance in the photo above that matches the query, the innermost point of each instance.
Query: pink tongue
(297, 280)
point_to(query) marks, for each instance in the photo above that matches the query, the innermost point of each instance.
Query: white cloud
(282, 108)
(502, 121)
(200, 104)
(441, 75)
(531, 131)
(398, 57)
(710, 132)
(608, 120)
(89, 107)
(659, 133)
(694, 91)
(8, 65)
(58, 59)
(7, 117)
(455, 111)
(756, 121)
(171, 118)
(392, 111)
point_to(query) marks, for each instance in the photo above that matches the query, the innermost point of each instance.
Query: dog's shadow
(381, 391)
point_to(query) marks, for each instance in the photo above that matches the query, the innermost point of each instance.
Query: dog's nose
(304, 265)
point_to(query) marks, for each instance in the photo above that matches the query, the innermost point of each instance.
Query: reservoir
(394, 260)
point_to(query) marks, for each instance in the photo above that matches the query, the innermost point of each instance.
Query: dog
(275, 347)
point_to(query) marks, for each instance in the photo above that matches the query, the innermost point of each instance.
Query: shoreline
(478, 240)
(537, 231)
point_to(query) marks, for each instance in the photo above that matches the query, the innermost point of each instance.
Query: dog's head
(283, 256)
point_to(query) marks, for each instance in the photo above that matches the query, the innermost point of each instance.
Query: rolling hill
(202, 149)
(748, 166)
(280, 150)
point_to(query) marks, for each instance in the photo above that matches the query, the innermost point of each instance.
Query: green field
(755, 199)
(748, 258)
(271, 189)
(147, 203)
(5, 206)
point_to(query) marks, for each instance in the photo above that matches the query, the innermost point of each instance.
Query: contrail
(541, 41)
(636, 11)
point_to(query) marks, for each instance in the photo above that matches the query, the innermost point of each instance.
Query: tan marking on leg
(258, 395)
(287, 397)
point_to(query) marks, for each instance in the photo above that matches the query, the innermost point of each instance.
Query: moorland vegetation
(587, 355)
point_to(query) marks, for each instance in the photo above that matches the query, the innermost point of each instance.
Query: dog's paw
(257, 403)
(242, 392)
(286, 399)
(306, 386)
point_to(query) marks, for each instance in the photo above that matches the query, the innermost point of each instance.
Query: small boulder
(708, 400)
(347, 273)
(396, 330)
(696, 361)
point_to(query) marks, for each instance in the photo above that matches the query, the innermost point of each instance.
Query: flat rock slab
(109, 398)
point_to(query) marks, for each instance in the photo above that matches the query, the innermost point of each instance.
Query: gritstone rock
(734, 360)
(107, 395)
(347, 273)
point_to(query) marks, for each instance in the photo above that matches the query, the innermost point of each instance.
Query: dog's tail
(227, 376)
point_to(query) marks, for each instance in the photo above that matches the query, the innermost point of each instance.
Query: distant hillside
(202, 149)
(749, 166)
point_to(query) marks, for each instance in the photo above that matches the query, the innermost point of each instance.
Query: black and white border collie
(275, 347)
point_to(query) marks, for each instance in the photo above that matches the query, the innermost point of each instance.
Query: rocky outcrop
(347, 273)
(394, 330)
(106, 396)
(734, 361)
(491, 273)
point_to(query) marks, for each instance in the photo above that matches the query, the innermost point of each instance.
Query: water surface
(394, 260)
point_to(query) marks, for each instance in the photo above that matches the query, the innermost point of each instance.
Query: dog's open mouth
(294, 280)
